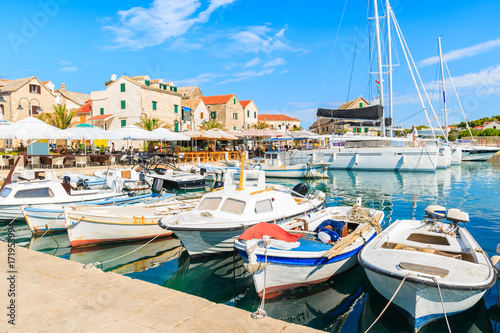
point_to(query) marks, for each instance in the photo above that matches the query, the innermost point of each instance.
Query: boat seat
(427, 249)
(424, 269)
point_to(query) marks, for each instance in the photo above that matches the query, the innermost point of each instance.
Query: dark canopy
(374, 112)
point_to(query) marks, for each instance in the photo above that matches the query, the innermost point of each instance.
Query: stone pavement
(57, 295)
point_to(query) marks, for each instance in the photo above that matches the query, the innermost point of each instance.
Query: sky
(289, 57)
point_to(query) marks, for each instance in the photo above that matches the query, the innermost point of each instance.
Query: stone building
(30, 93)
(226, 109)
(251, 113)
(190, 92)
(126, 99)
(279, 121)
(195, 113)
(72, 100)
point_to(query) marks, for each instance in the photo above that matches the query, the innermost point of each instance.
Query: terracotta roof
(145, 86)
(156, 80)
(45, 82)
(191, 103)
(139, 77)
(275, 117)
(102, 117)
(245, 103)
(4, 80)
(85, 108)
(76, 97)
(219, 99)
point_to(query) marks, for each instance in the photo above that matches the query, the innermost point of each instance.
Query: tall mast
(379, 64)
(388, 10)
(444, 93)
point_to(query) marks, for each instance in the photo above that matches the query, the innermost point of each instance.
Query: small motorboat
(284, 164)
(243, 201)
(92, 225)
(428, 269)
(281, 260)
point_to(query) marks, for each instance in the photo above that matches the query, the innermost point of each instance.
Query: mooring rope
(442, 303)
(48, 228)
(260, 313)
(390, 301)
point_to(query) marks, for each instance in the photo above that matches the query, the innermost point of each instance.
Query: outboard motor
(435, 212)
(157, 185)
(203, 171)
(66, 184)
(82, 183)
(218, 184)
(66, 180)
(142, 178)
(300, 190)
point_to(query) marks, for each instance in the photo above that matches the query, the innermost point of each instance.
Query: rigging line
(459, 103)
(333, 49)
(355, 51)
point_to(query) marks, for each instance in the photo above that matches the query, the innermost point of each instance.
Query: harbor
(345, 303)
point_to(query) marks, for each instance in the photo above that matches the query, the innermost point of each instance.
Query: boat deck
(57, 295)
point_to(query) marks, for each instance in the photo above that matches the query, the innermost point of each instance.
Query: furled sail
(373, 112)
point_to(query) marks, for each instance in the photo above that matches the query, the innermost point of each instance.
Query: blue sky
(288, 56)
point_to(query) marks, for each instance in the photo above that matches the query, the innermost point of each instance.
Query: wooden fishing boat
(429, 269)
(280, 260)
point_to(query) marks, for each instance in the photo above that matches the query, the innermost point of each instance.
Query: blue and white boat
(289, 164)
(280, 260)
(428, 269)
(51, 217)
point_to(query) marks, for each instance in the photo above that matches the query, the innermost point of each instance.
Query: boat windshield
(44, 192)
(209, 204)
(233, 206)
(5, 193)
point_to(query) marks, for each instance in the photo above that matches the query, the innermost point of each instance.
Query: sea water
(346, 303)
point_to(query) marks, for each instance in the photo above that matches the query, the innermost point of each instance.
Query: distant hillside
(478, 122)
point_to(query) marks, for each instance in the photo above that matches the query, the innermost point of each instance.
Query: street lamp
(38, 109)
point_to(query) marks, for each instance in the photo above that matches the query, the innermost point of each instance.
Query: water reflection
(474, 320)
(54, 244)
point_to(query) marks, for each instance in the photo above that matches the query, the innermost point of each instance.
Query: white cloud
(260, 39)
(198, 80)
(140, 27)
(238, 77)
(463, 53)
(274, 63)
(69, 69)
(284, 71)
(253, 62)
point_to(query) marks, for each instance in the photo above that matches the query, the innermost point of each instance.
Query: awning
(102, 117)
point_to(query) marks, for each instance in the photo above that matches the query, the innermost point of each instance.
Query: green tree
(211, 124)
(261, 125)
(149, 123)
(296, 128)
(60, 118)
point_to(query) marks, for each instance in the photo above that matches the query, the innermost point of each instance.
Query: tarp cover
(373, 112)
(271, 230)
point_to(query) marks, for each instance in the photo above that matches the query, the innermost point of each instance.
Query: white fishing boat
(285, 164)
(37, 193)
(51, 217)
(428, 269)
(280, 260)
(92, 225)
(244, 201)
(476, 153)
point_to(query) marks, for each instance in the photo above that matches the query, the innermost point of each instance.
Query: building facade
(251, 113)
(126, 99)
(279, 121)
(226, 109)
(195, 113)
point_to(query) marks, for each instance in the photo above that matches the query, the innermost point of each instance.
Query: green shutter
(124, 122)
(176, 127)
(255, 114)
(248, 113)
(213, 115)
(366, 129)
(361, 104)
(123, 105)
(234, 100)
(234, 128)
(122, 87)
(147, 82)
(176, 109)
(154, 106)
(102, 111)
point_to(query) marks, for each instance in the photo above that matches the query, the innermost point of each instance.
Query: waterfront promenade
(58, 295)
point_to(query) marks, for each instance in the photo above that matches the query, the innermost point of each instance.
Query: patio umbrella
(33, 129)
(89, 132)
(3, 124)
(221, 134)
(132, 132)
(168, 135)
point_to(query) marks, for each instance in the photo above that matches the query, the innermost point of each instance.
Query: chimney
(63, 87)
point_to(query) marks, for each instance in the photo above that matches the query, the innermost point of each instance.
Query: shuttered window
(176, 109)
(213, 115)
(154, 106)
(101, 111)
(124, 122)
(122, 87)
(123, 105)
(146, 82)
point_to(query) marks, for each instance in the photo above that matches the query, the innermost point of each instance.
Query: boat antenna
(444, 90)
(379, 65)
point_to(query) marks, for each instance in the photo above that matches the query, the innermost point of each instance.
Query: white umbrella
(220, 134)
(132, 132)
(33, 129)
(89, 133)
(168, 135)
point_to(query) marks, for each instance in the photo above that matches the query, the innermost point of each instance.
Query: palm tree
(260, 125)
(60, 118)
(296, 128)
(148, 123)
(211, 124)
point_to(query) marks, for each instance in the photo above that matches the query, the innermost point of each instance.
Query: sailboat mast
(388, 10)
(444, 93)
(379, 64)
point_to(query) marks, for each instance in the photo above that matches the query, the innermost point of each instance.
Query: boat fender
(327, 235)
(495, 261)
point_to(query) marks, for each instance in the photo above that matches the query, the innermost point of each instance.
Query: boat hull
(292, 171)
(423, 159)
(477, 155)
(83, 231)
(421, 304)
